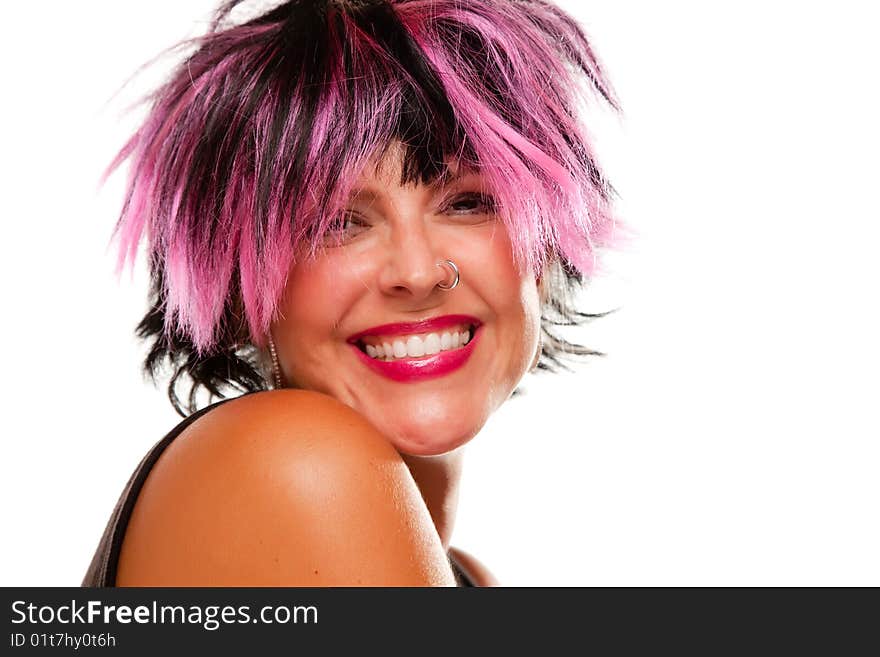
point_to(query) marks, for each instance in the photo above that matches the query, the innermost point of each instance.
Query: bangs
(253, 147)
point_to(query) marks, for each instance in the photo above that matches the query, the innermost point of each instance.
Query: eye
(345, 228)
(470, 203)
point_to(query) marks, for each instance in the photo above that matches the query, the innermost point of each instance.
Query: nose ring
(455, 272)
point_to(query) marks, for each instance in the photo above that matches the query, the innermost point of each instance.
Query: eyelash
(487, 202)
(487, 205)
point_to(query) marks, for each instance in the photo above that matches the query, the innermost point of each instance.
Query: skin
(282, 488)
(339, 420)
(386, 272)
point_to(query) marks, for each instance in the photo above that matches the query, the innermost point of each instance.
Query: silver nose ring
(455, 272)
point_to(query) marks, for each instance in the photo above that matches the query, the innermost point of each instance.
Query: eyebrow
(448, 177)
(369, 194)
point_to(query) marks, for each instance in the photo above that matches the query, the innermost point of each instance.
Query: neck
(437, 478)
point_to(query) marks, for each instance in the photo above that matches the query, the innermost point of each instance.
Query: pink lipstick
(408, 369)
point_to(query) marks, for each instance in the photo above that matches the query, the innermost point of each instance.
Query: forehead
(387, 169)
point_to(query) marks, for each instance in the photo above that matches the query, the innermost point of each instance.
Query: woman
(368, 214)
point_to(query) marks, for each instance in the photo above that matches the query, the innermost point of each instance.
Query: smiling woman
(379, 209)
(380, 287)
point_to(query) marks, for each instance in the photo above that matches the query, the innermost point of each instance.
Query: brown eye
(471, 203)
(345, 228)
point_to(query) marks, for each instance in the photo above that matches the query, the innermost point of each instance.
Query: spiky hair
(252, 147)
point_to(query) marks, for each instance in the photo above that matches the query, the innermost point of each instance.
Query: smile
(418, 351)
(415, 346)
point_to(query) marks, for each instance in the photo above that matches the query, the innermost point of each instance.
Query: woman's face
(377, 292)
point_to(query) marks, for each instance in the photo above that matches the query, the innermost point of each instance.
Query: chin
(432, 448)
(433, 439)
(429, 424)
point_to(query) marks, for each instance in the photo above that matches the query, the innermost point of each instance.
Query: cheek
(314, 302)
(530, 298)
(515, 299)
(315, 296)
(530, 308)
(518, 287)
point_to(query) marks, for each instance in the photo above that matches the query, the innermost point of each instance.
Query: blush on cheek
(316, 295)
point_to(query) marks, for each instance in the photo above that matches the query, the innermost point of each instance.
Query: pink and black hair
(251, 148)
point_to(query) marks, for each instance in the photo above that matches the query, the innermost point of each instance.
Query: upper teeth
(413, 346)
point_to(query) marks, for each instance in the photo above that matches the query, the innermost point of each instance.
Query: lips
(411, 328)
(408, 369)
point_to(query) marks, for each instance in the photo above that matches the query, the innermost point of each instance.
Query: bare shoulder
(473, 568)
(282, 488)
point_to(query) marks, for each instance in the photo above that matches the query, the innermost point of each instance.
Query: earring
(276, 368)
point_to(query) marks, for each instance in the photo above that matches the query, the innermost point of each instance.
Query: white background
(730, 437)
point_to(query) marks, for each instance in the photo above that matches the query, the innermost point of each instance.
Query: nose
(411, 267)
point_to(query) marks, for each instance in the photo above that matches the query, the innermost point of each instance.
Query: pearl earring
(276, 368)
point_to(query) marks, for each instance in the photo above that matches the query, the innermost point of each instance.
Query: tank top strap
(102, 570)
(462, 575)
